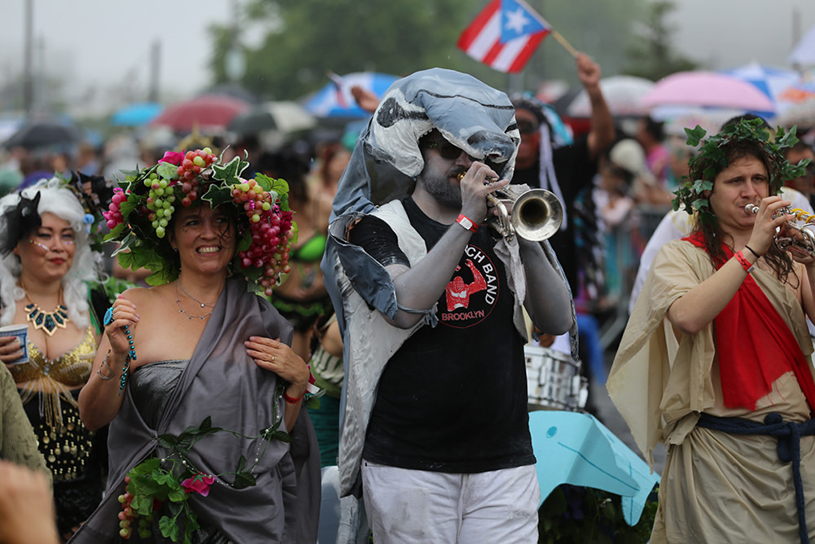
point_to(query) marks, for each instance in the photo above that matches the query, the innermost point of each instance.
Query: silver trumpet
(536, 213)
(804, 223)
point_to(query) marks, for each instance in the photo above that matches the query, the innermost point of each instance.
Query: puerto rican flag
(504, 35)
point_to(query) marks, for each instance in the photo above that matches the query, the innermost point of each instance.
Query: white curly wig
(62, 202)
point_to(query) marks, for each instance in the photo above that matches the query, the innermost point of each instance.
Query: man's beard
(442, 189)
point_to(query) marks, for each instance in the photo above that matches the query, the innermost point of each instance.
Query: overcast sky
(108, 42)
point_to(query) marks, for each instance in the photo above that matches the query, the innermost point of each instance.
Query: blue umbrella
(335, 99)
(769, 80)
(136, 115)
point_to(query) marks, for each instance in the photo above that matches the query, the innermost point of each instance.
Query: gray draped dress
(223, 382)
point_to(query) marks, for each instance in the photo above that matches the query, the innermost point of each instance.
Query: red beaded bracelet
(292, 400)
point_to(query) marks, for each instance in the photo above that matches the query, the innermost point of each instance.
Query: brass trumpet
(804, 223)
(536, 213)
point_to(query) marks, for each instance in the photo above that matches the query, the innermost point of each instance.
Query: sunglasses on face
(446, 150)
(450, 152)
(527, 127)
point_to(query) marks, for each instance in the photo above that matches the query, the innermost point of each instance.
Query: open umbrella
(623, 95)
(804, 52)
(207, 112)
(771, 81)
(334, 100)
(136, 115)
(233, 90)
(43, 134)
(284, 117)
(800, 113)
(709, 90)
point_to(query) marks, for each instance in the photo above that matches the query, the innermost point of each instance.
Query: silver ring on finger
(272, 359)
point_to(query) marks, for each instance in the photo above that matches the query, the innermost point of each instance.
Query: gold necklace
(47, 322)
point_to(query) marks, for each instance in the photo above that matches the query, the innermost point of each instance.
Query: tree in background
(600, 28)
(310, 37)
(652, 56)
(306, 38)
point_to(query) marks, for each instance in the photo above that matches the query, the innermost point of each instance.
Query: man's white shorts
(414, 506)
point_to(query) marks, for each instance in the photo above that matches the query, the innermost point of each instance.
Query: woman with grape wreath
(208, 441)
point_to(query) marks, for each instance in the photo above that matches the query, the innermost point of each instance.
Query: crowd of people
(203, 339)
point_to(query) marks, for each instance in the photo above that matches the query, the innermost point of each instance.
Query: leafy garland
(711, 159)
(140, 229)
(161, 486)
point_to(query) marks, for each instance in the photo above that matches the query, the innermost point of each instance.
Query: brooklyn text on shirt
(471, 294)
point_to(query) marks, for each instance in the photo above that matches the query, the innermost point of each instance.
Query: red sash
(754, 345)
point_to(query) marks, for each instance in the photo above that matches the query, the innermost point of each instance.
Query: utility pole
(155, 71)
(28, 59)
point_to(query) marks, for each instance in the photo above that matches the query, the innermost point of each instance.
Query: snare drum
(553, 380)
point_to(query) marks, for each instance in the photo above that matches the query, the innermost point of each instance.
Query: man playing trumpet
(435, 425)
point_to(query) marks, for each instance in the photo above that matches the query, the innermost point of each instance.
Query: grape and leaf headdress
(710, 159)
(143, 205)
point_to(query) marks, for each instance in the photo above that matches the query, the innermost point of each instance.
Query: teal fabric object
(9, 181)
(573, 448)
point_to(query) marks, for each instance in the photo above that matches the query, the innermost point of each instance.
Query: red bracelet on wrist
(743, 262)
(292, 400)
(466, 222)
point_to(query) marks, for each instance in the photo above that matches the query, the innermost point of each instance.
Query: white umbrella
(283, 116)
(804, 52)
(622, 94)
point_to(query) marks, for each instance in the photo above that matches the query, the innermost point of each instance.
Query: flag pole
(556, 35)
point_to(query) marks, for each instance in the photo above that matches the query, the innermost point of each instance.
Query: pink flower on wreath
(199, 484)
(172, 158)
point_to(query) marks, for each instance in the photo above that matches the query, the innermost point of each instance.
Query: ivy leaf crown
(711, 158)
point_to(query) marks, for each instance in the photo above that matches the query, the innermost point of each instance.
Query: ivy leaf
(167, 170)
(158, 277)
(146, 467)
(168, 528)
(241, 464)
(142, 504)
(177, 495)
(243, 480)
(190, 527)
(127, 207)
(265, 181)
(115, 233)
(244, 242)
(280, 435)
(217, 194)
(231, 171)
(695, 135)
(167, 441)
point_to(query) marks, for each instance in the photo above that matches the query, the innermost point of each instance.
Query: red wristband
(744, 262)
(292, 400)
(466, 222)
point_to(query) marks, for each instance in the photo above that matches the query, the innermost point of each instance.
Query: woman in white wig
(46, 269)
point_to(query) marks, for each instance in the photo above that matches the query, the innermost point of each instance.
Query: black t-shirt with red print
(453, 398)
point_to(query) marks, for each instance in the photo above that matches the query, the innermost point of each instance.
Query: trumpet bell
(537, 215)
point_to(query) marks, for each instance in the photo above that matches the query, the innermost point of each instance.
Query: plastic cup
(21, 332)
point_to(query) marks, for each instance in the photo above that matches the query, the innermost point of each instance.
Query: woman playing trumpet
(714, 361)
